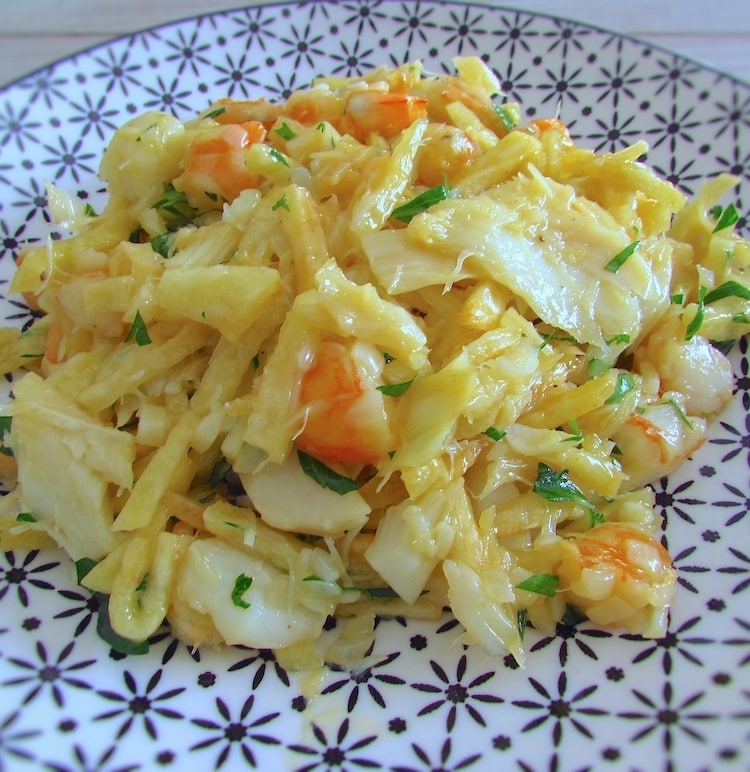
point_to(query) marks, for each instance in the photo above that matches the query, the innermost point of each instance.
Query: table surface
(37, 32)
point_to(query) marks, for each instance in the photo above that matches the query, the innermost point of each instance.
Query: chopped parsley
(421, 203)
(597, 367)
(83, 566)
(625, 384)
(278, 156)
(620, 258)
(215, 113)
(162, 244)
(89, 210)
(680, 412)
(726, 290)
(576, 435)
(285, 131)
(174, 202)
(141, 589)
(494, 433)
(138, 331)
(395, 389)
(505, 116)
(557, 486)
(241, 585)
(219, 473)
(25, 517)
(324, 475)
(281, 203)
(697, 320)
(541, 584)
(523, 619)
(5, 424)
(725, 217)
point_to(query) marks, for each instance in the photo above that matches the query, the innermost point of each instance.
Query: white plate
(587, 699)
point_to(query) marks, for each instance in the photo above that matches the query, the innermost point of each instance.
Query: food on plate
(381, 349)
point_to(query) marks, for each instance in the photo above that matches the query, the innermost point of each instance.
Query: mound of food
(385, 348)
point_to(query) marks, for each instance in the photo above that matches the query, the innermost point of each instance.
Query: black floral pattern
(586, 698)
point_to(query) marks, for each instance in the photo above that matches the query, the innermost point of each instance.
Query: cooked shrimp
(693, 368)
(446, 151)
(228, 111)
(361, 113)
(214, 164)
(541, 126)
(619, 577)
(381, 112)
(655, 441)
(345, 416)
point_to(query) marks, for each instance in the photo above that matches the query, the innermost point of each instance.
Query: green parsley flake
(557, 486)
(285, 131)
(219, 473)
(505, 116)
(625, 384)
(161, 244)
(395, 389)
(576, 435)
(5, 423)
(541, 584)
(277, 156)
(324, 475)
(83, 566)
(215, 113)
(523, 618)
(697, 321)
(680, 413)
(421, 203)
(138, 331)
(494, 433)
(620, 258)
(174, 202)
(725, 217)
(597, 367)
(726, 290)
(281, 203)
(241, 585)
(621, 337)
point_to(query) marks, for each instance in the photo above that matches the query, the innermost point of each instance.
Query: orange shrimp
(446, 152)
(653, 443)
(228, 111)
(614, 545)
(541, 126)
(381, 112)
(345, 416)
(619, 577)
(214, 163)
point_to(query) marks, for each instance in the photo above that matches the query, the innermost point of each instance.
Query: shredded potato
(381, 349)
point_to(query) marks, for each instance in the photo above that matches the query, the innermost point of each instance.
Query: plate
(587, 699)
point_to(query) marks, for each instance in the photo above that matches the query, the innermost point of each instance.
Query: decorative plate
(587, 699)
